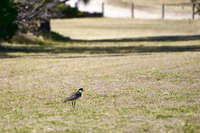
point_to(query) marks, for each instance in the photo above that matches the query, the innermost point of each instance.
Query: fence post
(163, 11)
(103, 9)
(132, 10)
(76, 5)
(193, 11)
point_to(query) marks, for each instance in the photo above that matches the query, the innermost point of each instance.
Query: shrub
(8, 15)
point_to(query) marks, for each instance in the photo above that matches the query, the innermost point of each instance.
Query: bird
(74, 97)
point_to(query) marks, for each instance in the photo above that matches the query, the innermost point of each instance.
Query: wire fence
(163, 11)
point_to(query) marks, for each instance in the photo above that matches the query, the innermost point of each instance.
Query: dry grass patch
(154, 92)
(130, 85)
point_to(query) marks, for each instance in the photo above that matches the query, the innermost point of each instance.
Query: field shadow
(53, 36)
(31, 39)
(53, 49)
(95, 50)
(148, 39)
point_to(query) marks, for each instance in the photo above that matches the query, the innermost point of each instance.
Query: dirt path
(117, 11)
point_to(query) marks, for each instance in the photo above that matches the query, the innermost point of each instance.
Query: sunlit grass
(130, 86)
(123, 28)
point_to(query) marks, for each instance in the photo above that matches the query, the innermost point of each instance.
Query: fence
(164, 11)
(182, 5)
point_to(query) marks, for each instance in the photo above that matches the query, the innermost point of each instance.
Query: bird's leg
(74, 104)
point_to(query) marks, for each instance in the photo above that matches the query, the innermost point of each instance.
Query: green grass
(138, 84)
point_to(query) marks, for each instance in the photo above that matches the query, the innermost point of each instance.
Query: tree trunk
(45, 26)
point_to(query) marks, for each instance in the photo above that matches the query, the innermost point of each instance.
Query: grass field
(108, 28)
(138, 76)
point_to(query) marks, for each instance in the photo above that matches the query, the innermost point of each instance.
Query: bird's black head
(81, 89)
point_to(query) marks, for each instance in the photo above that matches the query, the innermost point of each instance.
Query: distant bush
(68, 12)
(73, 12)
(8, 15)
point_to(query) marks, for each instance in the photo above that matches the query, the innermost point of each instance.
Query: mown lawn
(133, 84)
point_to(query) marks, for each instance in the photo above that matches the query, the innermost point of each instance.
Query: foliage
(8, 15)
(197, 5)
(68, 12)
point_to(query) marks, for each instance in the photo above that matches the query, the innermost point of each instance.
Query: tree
(8, 15)
(35, 15)
(197, 5)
